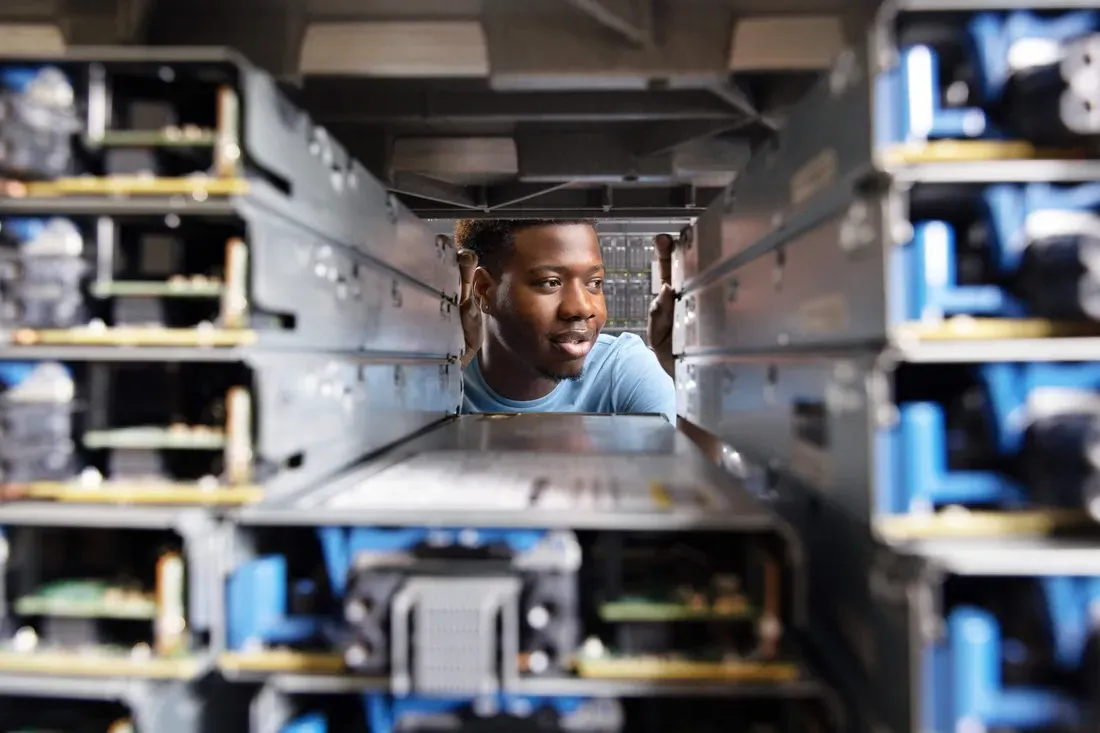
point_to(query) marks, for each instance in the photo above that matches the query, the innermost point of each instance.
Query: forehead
(568, 245)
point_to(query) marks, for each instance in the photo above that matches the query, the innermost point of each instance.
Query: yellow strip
(965, 151)
(134, 336)
(980, 524)
(657, 669)
(92, 666)
(659, 494)
(112, 492)
(282, 660)
(987, 329)
(198, 188)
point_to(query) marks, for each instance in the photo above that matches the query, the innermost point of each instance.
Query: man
(532, 310)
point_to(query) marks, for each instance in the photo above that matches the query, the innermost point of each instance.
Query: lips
(574, 345)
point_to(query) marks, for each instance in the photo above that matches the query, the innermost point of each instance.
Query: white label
(827, 314)
(818, 174)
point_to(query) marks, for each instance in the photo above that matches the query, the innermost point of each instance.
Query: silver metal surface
(451, 637)
(811, 171)
(94, 205)
(998, 171)
(824, 287)
(319, 185)
(1044, 350)
(754, 405)
(54, 514)
(808, 686)
(987, 5)
(314, 414)
(77, 688)
(806, 160)
(827, 277)
(531, 470)
(331, 410)
(340, 299)
(1019, 558)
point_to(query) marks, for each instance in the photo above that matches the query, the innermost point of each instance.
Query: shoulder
(613, 358)
(624, 344)
(624, 348)
(640, 384)
(627, 357)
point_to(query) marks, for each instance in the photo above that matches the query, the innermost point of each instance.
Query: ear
(484, 290)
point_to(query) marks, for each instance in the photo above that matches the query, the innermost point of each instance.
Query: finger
(664, 302)
(467, 263)
(664, 245)
(686, 236)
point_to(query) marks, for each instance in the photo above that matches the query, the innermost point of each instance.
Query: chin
(562, 372)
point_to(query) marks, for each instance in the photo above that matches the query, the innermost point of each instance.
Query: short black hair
(492, 239)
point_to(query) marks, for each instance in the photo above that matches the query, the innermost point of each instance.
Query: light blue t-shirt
(620, 375)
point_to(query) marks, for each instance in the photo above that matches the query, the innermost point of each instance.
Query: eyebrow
(562, 269)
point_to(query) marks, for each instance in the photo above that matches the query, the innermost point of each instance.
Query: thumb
(664, 300)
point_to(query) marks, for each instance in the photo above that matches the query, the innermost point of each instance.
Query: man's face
(547, 307)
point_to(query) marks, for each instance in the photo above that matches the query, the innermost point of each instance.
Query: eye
(548, 284)
(596, 285)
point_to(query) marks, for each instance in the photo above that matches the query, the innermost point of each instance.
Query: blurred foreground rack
(891, 323)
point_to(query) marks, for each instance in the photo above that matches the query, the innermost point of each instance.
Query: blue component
(994, 34)
(257, 611)
(384, 713)
(963, 681)
(932, 291)
(17, 78)
(256, 607)
(907, 98)
(340, 544)
(13, 373)
(915, 463)
(1008, 207)
(311, 723)
(23, 229)
(924, 270)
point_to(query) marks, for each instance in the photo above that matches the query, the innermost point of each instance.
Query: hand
(662, 309)
(468, 308)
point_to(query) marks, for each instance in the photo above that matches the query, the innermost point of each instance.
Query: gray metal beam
(531, 49)
(472, 101)
(512, 196)
(631, 19)
(732, 94)
(596, 154)
(551, 155)
(663, 137)
(90, 22)
(516, 200)
(434, 190)
(267, 32)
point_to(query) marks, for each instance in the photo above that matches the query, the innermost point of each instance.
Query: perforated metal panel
(463, 630)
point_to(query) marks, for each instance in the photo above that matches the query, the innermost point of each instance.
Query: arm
(641, 383)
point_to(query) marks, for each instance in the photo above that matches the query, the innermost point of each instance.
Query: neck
(508, 376)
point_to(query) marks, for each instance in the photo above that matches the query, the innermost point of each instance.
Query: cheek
(601, 306)
(524, 320)
(537, 311)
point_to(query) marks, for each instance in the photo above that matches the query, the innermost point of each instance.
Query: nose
(577, 303)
